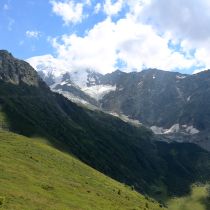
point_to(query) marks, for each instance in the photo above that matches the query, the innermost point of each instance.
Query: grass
(36, 176)
(199, 199)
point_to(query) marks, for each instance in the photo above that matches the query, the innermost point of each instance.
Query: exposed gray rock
(17, 71)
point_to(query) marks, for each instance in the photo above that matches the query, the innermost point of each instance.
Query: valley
(45, 122)
(104, 105)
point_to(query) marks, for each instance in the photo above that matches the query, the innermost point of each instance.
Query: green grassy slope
(35, 176)
(199, 199)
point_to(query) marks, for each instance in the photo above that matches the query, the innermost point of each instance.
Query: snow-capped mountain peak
(54, 70)
(78, 82)
(85, 77)
(47, 64)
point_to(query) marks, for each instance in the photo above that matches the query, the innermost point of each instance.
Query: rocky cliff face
(151, 96)
(17, 71)
(162, 98)
(173, 105)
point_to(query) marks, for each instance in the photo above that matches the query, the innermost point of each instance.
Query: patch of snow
(180, 77)
(121, 89)
(153, 77)
(192, 130)
(140, 83)
(157, 130)
(114, 114)
(57, 82)
(71, 97)
(98, 91)
(83, 77)
(80, 78)
(188, 98)
(176, 128)
(92, 79)
(126, 118)
(63, 83)
(173, 129)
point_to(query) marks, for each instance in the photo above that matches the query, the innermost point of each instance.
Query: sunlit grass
(35, 176)
(198, 200)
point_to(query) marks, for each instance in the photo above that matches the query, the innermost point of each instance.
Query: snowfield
(186, 129)
(98, 91)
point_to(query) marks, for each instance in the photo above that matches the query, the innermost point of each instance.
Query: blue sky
(19, 16)
(108, 34)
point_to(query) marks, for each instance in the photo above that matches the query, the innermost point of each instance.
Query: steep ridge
(17, 72)
(121, 151)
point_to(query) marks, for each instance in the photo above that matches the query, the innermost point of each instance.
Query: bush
(119, 192)
(2, 200)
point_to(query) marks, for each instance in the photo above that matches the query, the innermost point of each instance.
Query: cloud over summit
(138, 34)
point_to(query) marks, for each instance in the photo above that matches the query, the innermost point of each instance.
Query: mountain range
(171, 104)
(132, 155)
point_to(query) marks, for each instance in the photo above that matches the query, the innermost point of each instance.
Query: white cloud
(137, 45)
(153, 34)
(70, 11)
(203, 55)
(95, 51)
(136, 7)
(187, 19)
(113, 8)
(198, 71)
(49, 64)
(97, 8)
(87, 2)
(21, 42)
(11, 22)
(33, 34)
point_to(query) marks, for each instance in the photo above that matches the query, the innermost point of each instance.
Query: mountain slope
(162, 98)
(154, 97)
(170, 103)
(72, 91)
(126, 153)
(37, 176)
